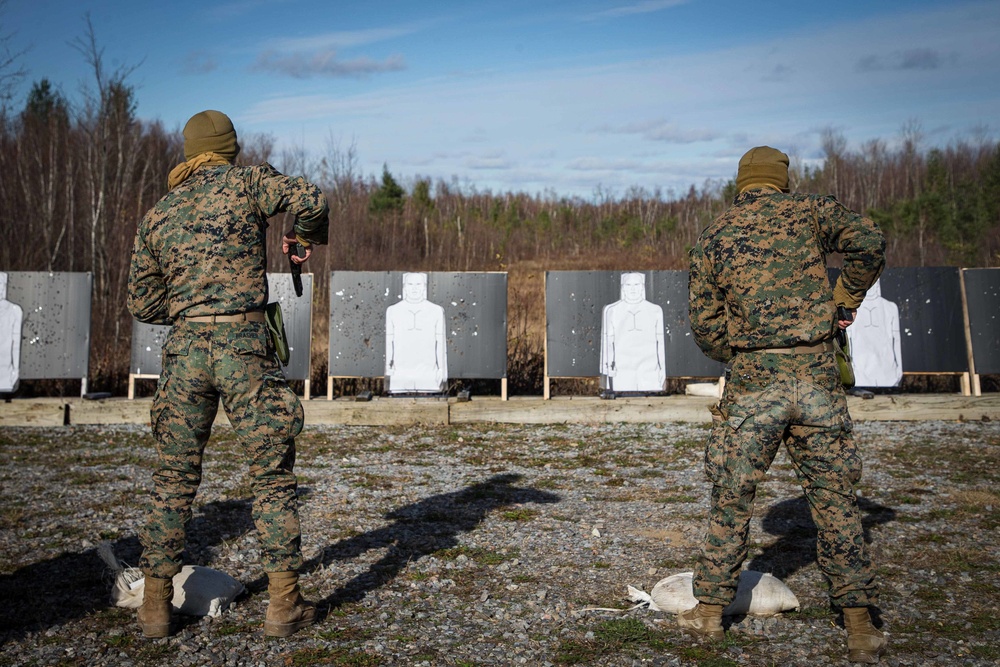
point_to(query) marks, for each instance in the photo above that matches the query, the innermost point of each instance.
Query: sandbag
(757, 594)
(198, 590)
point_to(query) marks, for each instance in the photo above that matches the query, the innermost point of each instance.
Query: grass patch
(677, 498)
(623, 635)
(327, 655)
(520, 514)
(346, 634)
(814, 612)
(226, 629)
(480, 555)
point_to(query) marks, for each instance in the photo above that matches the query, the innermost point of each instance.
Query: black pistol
(843, 314)
(299, 250)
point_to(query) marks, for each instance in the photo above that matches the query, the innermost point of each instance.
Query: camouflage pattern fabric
(798, 399)
(758, 273)
(201, 251)
(758, 280)
(203, 363)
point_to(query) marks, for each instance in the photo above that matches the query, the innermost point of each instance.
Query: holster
(842, 352)
(276, 329)
(842, 349)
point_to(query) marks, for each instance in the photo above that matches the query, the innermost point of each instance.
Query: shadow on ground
(70, 586)
(53, 592)
(795, 548)
(420, 529)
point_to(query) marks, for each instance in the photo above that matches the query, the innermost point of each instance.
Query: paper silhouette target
(11, 318)
(416, 353)
(875, 343)
(632, 351)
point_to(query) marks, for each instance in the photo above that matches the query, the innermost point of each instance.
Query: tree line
(75, 178)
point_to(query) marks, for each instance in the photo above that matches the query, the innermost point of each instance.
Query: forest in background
(76, 177)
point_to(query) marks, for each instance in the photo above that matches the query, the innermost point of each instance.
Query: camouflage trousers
(204, 363)
(796, 399)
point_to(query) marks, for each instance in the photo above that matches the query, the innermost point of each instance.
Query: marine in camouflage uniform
(199, 264)
(760, 300)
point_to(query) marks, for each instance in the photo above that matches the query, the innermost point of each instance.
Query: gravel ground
(485, 545)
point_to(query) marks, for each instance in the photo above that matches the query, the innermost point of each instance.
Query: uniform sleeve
(147, 289)
(707, 309)
(860, 241)
(277, 193)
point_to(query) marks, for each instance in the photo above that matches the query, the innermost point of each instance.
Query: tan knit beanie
(763, 165)
(210, 132)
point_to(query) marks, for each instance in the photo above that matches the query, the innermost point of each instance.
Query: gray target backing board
(55, 330)
(475, 310)
(575, 301)
(982, 294)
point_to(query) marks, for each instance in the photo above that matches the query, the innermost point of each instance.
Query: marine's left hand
(843, 324)
(288, 241)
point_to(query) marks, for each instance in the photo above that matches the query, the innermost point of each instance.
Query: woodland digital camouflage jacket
(758, 275)
(201, 249)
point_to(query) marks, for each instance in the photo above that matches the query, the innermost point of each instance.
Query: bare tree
(12, 72)
(912, 136)
(110, 159)
(834, 148)
(873, 163)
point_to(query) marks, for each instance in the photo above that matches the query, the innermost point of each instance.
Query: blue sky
(565, 97)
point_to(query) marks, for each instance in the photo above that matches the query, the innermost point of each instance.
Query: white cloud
(669, 132)
(325, 63)
(339, 39)
(910, 59)
(646, 7)
(496, 161)
(199, 62)
(672, 120)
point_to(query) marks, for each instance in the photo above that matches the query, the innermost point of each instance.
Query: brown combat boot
(865, 643)
(154, 614)
(703, 620)
(287, 611)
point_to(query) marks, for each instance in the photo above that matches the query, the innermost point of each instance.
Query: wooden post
(970, 382)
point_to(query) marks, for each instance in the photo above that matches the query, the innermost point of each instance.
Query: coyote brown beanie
(210, 132)
(763, 166)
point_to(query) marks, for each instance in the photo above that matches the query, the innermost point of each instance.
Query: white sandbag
(198, 591)
(758, 594)
(710, 389)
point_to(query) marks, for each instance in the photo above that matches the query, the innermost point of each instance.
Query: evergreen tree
(389, 196)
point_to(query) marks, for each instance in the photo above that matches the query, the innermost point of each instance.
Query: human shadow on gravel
(795, 549)
(53, 592)
(420, 529)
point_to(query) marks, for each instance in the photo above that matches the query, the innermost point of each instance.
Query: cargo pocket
(740, 447)
(722, 443)
(823, 408)
(173, 348)
(252, 351)
(273, 411)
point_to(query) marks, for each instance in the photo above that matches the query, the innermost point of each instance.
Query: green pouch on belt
(842, 349)
(842, 352)
(276, 328)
